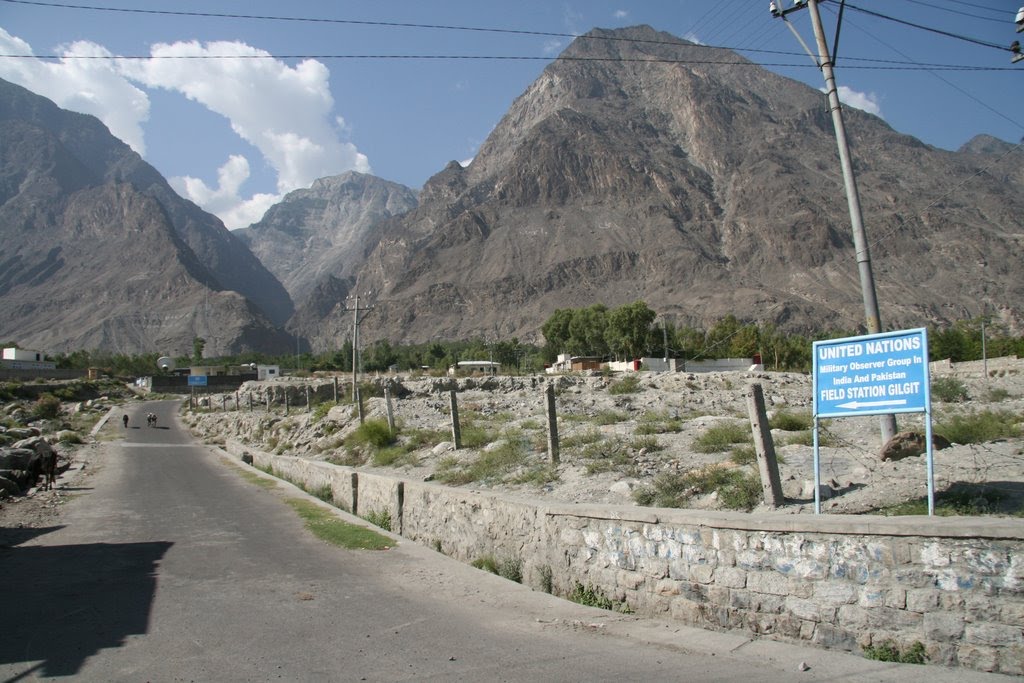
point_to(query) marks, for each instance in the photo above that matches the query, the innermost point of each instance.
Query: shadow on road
(63, 604)
(11, 536)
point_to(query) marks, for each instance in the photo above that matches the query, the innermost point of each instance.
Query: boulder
(910, 445)
(8, 487)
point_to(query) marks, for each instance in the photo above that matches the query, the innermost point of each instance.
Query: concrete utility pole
(860, 242)
(355, 343)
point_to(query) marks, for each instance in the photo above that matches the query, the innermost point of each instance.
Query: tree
(629, 328)
(556, 329)
(198, 344)
(588, 331)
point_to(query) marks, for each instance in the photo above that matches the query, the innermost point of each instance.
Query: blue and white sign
(875, 374)
(197, 380)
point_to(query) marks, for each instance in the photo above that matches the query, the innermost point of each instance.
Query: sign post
(875, 374)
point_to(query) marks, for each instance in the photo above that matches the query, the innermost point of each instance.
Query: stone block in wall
(873, 596)
(835, 593)
(686, 611)
(922, 599)
(827, 635)
(943, 627)
(978, 657)
(983, 561)
(897, 598)
(995, 635)
(768, 604)
(739, 599)
(769, 582)
(667, 588)
(807, 610)
(730, 577)
(629, 580)
(1011, 660)
(702, 573)
(1011, 613)
(652, 567)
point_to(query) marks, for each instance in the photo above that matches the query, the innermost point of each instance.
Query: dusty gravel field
(614, 444)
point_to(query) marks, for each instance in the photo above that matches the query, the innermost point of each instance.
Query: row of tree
(630, 331)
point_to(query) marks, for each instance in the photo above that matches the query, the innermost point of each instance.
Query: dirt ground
(640, 435)
(616, 443)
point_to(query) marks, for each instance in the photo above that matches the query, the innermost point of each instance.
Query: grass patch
(254, 478)
(791, 422)
(648, 443)
(532, 424)
(71, 438)
(980, 427)
(475, 435)
(996, 395)
(738, 489)
(327, 527)
(321, 410)
(630, 384)
(507, 568)
(607, 455)
(393, 456)
(379, 518)
(581, 438)
(967, 500)
(721, 437)
(593, 597)
(658, 423)
(490, 465)
(889, 652)
(610, 417)
(949, 390)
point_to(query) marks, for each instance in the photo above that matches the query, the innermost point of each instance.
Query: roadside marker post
(874, 374)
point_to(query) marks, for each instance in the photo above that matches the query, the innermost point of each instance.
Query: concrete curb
(103, 420)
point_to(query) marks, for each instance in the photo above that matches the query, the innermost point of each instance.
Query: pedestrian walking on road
(125, 419)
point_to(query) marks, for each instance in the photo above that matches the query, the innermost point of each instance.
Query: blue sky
(234, 134)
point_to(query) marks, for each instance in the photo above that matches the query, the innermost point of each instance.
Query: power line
(1003, 20)
(948, 34)
(895, 66)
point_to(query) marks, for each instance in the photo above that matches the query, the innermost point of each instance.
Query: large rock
(910, 445)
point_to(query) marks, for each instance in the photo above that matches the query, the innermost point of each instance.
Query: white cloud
(861, 100)
(552, 46)
(88, 86)
(285, 112)
(620, 14)
(226, 200)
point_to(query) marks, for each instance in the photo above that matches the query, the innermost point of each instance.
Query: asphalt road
(172, 566)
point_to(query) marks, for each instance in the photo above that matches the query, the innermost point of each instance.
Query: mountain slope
(93, 262)
(321, 231)
(639, 166)
(107, 159)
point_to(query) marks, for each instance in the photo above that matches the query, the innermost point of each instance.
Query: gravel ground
(616, 443)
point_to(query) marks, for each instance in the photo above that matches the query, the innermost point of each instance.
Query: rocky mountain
(321, 231)
(100, 253)
(641, 166)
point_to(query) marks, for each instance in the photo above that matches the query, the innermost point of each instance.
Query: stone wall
(955, 585)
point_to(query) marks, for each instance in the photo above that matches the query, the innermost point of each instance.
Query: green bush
(648, 443)
(379, 518)
(607, 455)
(738, 489)
(949, 390)
(375, 433)
(71, 438)
(980, 427)
(46, 407)
(889, 652)
(610, 417)
(630, 384)
(791, 422)
(722, 437)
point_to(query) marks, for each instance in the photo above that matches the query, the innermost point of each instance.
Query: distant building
(476, 367)
(265, 372)
(24, 359)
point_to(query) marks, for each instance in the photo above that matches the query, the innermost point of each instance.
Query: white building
(25, 359)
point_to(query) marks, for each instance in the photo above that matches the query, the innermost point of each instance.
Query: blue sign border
(875, 374)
